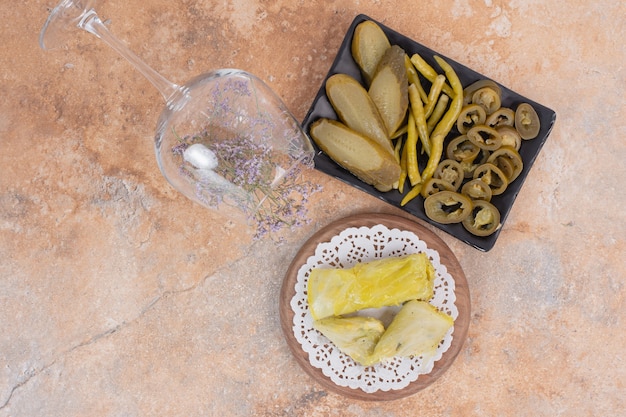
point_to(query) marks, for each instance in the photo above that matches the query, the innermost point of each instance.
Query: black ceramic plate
(344, 63)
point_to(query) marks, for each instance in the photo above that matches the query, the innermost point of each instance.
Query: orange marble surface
(119, 297)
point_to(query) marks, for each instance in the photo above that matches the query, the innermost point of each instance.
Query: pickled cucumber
(360, 155)
(355, 108)
(368, 46)
(389, 89)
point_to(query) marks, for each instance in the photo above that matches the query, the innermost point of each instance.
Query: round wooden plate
(447, 258)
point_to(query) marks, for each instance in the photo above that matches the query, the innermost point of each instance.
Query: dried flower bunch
(234, 162)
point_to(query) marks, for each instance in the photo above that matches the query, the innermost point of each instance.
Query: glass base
(63, 19)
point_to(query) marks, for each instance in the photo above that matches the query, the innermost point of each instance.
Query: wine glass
(224, 139)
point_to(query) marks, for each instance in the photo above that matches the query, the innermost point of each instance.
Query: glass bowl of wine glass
(224, 138)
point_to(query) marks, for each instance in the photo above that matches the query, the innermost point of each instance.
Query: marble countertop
(120, 297)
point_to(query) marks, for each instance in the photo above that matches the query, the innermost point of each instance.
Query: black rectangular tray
(344, 63)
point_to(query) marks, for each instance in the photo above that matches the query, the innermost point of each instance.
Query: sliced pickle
(355, 152)
(368, 47)
(389, 89)
(356, 109)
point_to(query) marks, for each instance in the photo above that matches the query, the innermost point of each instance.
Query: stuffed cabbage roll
(375, 284)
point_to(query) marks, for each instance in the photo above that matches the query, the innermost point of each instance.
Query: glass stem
(171, 92)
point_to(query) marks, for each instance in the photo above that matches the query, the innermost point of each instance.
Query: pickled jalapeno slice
(508, 160)
(471, 115)
(485, 137)
(450, 171)
(505, 166)
(447, 207)
(510, 137)
(492, 176)
(462, 149)
(527, 121)
(488, 98)
(469, 91)
(436, 185)
(501, 117)
(470, 166)
(477, 190)
(483, 220)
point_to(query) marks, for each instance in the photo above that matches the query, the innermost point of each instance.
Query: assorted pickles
(408, 109)
(487, 149)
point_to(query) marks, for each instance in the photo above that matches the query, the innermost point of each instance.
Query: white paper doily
(365, 244)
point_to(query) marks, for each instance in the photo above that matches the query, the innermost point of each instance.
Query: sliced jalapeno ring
(468, 168)
(488, 98)
(462, 149)
(436, 185)
(485, 137)
(447, 207)
(483, 220)
(482, 156)
(470, 165)
(450, 171)
(505, 166)
(510, 137)
(527, 121)
(471, 115)
(507, 159)
(493, 176)
(504, 116)
(469, 91)
(477, 190)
